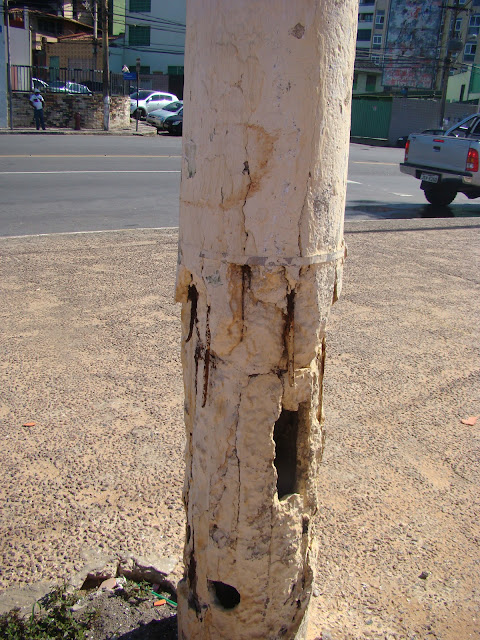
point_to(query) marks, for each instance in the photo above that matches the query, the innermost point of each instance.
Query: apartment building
(154, 31)
(461, 50)
(371, 35)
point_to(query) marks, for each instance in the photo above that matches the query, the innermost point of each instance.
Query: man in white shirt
(36, 100)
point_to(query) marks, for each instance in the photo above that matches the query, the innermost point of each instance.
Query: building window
(458, 25)
(355, 80)
(363, 2)
(365, 17)
(474, 25)
(377, 42)
(143, 6)
(469, 52)
(48, 27)
(138, 36)
(379, 20)
(371, 82)
(364, 35)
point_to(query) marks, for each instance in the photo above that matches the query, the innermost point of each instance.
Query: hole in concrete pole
(225, 595)
(285, 435)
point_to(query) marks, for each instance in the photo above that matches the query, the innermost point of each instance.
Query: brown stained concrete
(90, 353)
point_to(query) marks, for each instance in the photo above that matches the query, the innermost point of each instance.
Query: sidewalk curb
(144, 130)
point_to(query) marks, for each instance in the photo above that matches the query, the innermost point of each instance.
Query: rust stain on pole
(260, 263)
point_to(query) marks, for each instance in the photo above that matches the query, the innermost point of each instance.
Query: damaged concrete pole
(265, 145)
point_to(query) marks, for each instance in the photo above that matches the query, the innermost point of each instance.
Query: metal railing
(61, 80)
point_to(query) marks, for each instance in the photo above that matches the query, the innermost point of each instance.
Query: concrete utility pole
(9, 72)
(106, 67)
(452, 46)
(95, 35)
(260, 262)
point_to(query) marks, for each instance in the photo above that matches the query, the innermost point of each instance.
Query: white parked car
(149, 100)
(158, 117)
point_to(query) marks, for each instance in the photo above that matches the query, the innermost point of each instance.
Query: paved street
(87, 183)
(52, 184)
(376, 189)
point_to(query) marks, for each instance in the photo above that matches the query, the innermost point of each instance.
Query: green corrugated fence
(370, 117)
(474, 80)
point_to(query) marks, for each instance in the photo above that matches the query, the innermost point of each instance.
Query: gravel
(90, 353)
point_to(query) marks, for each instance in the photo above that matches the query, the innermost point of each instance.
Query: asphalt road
(376, 189)
(52, 184)
(87, 183)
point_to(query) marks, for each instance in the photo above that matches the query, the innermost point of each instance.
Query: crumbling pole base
(267, 119)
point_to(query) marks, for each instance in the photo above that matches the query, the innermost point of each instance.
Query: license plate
(429, 177)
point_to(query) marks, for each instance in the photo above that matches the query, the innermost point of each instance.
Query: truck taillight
(472, 160)
(407, 147)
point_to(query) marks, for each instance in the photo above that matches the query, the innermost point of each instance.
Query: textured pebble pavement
(89, 346)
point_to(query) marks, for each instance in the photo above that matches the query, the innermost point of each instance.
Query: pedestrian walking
(37, 102)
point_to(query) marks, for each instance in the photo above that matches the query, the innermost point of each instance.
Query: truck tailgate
(439, 152)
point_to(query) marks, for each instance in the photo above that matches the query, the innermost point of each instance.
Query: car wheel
(440, 197)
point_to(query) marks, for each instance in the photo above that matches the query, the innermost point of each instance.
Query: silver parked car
(157, 118)
(57, 86)
(40, 85)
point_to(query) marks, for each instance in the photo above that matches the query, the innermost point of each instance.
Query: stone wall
(60, 110)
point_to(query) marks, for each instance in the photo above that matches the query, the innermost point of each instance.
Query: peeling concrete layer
(260, 259)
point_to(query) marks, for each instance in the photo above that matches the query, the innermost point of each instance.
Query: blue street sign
(131, 75)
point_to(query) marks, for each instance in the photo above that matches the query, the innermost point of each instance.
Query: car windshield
(142, 95)
(173, 106)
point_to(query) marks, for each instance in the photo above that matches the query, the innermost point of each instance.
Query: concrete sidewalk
(90, 355)
(144, 129)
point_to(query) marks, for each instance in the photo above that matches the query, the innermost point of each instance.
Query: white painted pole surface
(265, 146)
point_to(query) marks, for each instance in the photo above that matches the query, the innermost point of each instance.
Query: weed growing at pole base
(52, 620)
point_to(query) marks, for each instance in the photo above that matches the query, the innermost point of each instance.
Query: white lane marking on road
(403, 195)
(353, 182)
(392, 164)
(20, 173)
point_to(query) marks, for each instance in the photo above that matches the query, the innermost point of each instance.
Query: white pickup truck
(446, 164)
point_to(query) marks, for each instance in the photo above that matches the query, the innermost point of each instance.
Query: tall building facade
(403, 46)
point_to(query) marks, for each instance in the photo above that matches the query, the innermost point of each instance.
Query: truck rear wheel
(440, 197)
